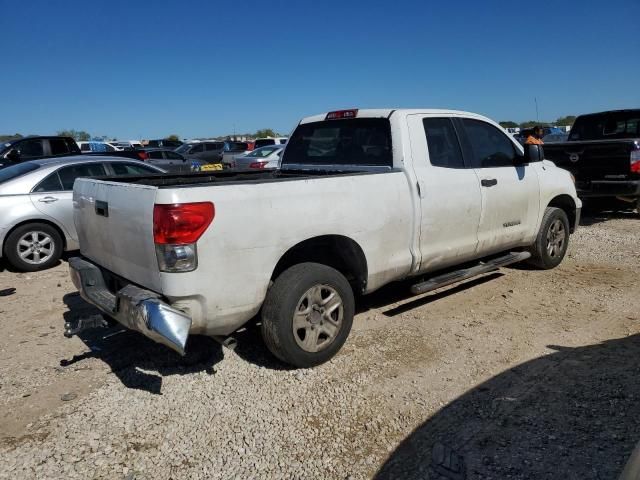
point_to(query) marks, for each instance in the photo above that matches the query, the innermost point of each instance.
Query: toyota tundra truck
(362, 198)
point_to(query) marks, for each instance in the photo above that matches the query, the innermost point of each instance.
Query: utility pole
(537, 117)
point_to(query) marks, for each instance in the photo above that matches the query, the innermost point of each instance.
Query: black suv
(32, 148)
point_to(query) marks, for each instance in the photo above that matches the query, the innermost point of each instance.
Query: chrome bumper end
(132, 307)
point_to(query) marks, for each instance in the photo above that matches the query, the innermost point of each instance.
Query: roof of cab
(387, 112)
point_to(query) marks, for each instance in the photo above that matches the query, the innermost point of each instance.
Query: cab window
(442, 141)
(490, 146)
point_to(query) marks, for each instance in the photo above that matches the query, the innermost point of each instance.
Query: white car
(91, 146)
(263, 157)
(362, 198)
(267, 141)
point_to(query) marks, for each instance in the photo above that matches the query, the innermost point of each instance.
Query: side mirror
(13, 155)
(533, 153)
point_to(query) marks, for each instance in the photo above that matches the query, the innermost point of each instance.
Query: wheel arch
(336, 251)
(568, 205)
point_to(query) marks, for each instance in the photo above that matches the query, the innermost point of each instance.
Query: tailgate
(595, 160)
(115, 228)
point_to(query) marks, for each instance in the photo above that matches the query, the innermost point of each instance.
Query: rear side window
(58, 146)
(156, 155)
(357, 141)
(491, 147)
(69, 174)
(443, 144)
(213, 146)
(49, 184)
(85, 147)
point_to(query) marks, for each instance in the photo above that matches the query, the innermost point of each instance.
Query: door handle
(488, 182)
(48, 200)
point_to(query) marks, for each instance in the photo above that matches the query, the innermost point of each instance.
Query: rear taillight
(635, 161)
(143, 156)
(258, 164)
(176, 229)
(181, 223)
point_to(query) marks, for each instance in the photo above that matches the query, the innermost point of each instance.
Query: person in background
(535, 137)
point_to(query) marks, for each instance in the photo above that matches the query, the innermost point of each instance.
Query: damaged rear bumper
(133, 307)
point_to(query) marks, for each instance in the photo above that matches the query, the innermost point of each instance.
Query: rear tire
(307, 314)
(33, 246)
(552, 240)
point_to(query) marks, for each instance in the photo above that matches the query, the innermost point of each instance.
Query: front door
(510, 192)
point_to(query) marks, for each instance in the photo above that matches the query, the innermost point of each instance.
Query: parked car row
(36, 209)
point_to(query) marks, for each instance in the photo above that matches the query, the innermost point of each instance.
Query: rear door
(115, 228)
(450, 199)
(510, 193)
(54, 194)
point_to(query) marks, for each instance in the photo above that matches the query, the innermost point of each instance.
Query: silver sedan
(263, 157)
(36, 210)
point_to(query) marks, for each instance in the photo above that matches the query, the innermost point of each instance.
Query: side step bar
(465, 273)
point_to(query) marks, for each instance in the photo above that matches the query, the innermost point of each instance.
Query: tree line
(568, 120)
(82, 136)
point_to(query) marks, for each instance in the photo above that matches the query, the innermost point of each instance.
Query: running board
(466, 273)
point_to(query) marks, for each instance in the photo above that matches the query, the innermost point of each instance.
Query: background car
(169, 160)
(263, 142)
(96, 146)
(230, 149)
(264, 157)
(128, 144)
(31, 148)
(36, 210)
(164, 143)
(207, 152)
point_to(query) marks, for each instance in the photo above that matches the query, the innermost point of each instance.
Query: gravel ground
(519, 374)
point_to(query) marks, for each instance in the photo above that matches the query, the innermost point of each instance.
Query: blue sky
(201, 68)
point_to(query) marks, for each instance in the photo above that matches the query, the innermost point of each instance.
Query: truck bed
(226, 177)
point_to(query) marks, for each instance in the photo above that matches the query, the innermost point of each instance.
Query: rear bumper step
(466, 273)
(133, 307)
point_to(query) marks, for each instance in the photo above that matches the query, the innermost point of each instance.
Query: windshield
(14, 171)
(358, 141)
(263, 152)
(604, 126)
(184, 148)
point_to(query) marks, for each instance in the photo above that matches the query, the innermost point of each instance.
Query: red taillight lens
(181, 223)
(342, 114)
(143, 156)
(257, 164)
(635, 161)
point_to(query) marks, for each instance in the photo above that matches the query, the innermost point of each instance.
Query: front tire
(552, 240)
(307, 314)
(33, 246)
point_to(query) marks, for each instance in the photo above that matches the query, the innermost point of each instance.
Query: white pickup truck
(362, 198)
